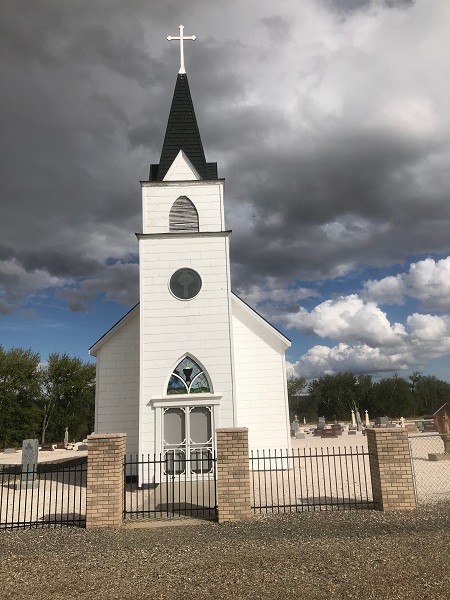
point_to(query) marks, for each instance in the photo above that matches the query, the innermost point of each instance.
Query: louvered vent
(183, 215)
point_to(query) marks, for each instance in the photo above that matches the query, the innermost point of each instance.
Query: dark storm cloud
(349, 6)
(69, 264)
(318, 181)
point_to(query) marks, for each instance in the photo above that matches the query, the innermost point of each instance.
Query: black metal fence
(51, 494)
(431, 468)
(170, 485)
(311, 479)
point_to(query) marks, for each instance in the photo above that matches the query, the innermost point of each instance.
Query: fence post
(391, 469)
(233, 475)
(104, 488)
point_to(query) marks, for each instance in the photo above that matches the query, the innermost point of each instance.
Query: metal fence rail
(50, 494)
(167, 486)
(431, 477)
(310, 479)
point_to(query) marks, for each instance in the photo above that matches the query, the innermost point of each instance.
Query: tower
(185, 301)
(191, 356)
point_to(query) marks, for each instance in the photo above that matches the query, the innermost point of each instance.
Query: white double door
(188, 440)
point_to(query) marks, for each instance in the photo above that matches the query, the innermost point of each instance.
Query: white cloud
(347, 318)
(424, 338)
(360, 358)
(427, 280)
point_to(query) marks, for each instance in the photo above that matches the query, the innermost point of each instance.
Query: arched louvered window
(183, 215)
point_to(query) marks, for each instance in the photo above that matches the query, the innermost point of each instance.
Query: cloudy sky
(329, 120)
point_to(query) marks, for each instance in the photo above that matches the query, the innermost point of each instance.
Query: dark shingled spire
(182, 134)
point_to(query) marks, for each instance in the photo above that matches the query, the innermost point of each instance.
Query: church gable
(127, 322)
(258, 325)
(182, 169)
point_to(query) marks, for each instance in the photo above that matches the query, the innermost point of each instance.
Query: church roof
(182, 133)
(136, 308)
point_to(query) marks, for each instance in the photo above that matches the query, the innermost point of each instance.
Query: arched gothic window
(183, 215)
(188, 378)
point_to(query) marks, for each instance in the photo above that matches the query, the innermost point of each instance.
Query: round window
(185, 284)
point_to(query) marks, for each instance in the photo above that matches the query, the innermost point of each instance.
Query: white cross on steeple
(181, 38)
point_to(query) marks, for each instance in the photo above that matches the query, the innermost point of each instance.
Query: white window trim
(185, 400)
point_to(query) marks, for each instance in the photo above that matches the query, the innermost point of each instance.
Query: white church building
(191, 357)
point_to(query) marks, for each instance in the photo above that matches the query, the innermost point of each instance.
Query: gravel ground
(362, 554)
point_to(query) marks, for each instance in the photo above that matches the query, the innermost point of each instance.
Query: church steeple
(182, 131)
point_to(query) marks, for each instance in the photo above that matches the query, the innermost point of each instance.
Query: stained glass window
(188, 378)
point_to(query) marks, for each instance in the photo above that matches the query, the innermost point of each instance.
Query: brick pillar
(391, 469)
(104, 491)
(233, 475)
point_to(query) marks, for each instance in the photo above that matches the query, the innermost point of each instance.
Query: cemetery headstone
(66, 436)
(428, 426)
(30, 449)
(321, 422)
(359, 425)
(10, 450)
(294, 426)
(47, 447)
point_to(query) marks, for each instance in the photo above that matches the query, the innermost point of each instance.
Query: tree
(336, 395)
(68, 397)
(393, 397)
(429, 391)
(295, 386)
(20, 392)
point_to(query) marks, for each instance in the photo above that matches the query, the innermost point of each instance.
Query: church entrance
(187, 440)
(181, 479)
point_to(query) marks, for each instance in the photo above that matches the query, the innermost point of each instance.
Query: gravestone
(359, 425)
(66, 436)
(82, 447)
(300, 435)
(328, 433)
(10, 450)
(47, 447)
(383, 421)
(30, 449)
(294, 426)
(428, 426)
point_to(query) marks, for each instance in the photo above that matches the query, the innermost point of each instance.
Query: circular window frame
(172, 277)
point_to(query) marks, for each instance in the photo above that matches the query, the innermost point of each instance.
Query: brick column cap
(106, 436)
(231, 429)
